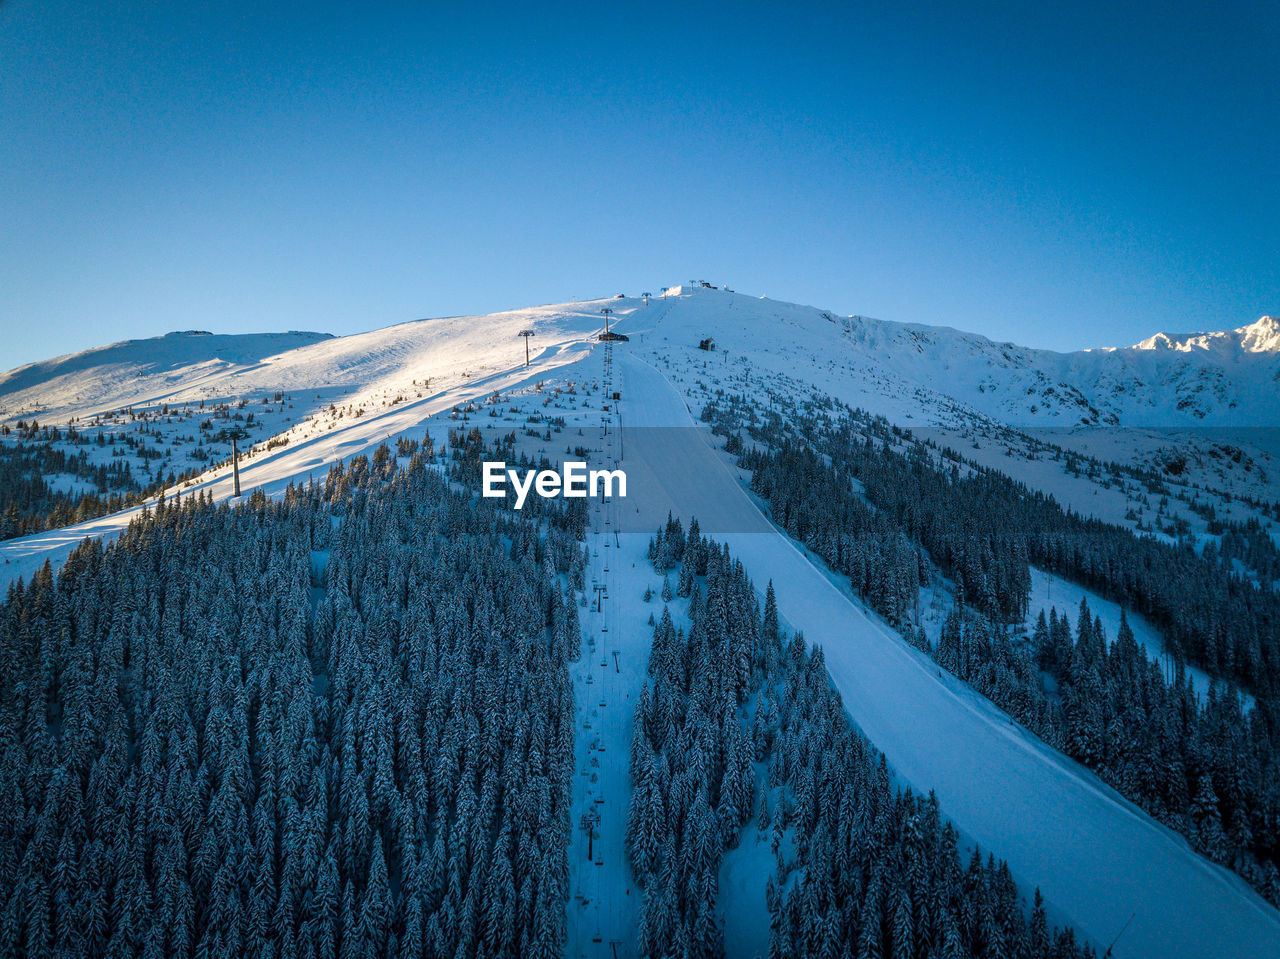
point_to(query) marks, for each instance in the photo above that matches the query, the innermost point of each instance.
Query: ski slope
(1210, 400)
(383, 376)
(1002, 405)
(1097, 858)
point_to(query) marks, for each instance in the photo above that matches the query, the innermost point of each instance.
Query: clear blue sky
(1061, 175)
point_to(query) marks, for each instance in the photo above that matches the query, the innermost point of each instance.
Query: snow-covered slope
(186, 367)
(138, 371)
(1166, 402)
(922, 373)
(1214, 379)
(348, 395)
(1057, 825)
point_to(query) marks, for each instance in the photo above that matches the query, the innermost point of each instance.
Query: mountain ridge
(1219, 378)
(1261, 336)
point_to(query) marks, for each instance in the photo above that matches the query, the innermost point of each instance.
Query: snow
(914, 375)
(604, 900)
(1211, 475)
(1096, 857)
(109, 375)
(1262, 336)
(744, 873)
(1058, 826)
(457, 355)
(1242, 462)
(898, 368)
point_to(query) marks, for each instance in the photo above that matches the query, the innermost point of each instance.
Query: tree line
(1206, 768)
(885, 510)
(983, 529)
(29, 503)
(738, 735)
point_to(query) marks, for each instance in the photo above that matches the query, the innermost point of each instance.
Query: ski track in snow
(309, 455)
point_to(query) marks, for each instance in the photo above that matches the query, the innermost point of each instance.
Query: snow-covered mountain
(191, 366)
(1167, 400)
(921, 373)
(1260, 337)
(1212, 379)
(319, 400)
(1165, 404)
(146, 369)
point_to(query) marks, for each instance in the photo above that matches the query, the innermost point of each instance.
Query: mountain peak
(1262, 336)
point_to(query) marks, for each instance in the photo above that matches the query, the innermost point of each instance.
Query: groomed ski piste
(1102, 864)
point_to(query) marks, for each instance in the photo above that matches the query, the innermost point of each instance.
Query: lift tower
(526, 334)
(231, 435)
